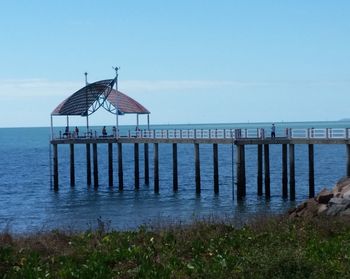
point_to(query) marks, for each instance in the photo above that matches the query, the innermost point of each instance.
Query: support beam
(284, 171)
(243, 170)
(156, 168)
(197, 168)
(291, 172)
(175, 177)
(94, 154)
(240, 157)
(348, 160)
(311, 171)
(110, 164)
(120, 167)
(88, 164)
(267, 170)
(55, 167)
(216, 167)
(260, 171)
(136, 166)
(146, 161)
(72, 166)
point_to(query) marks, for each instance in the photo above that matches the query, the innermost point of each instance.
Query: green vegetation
(273, 248)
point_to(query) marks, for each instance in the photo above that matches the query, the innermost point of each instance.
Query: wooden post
(156, 168)
(88, 164)
(216, 168)
(284, 171)
(120, 166)
(72, 167)
(136, 166)
(94, 154)
(55, 167)
(243, 170)
(240, 171)
(348, 160)
(291, 172)
(146, 161)
(267, 170)
(311, 172)
(197, 168)
(260, 171)
(110, 164)
(175, 177)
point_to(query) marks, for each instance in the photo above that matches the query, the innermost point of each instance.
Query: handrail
(257, 133)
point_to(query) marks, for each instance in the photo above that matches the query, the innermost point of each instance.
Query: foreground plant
(273, 248)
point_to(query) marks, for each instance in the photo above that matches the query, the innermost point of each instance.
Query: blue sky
(186, 61)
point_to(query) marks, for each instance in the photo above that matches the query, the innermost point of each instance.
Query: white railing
(259, 133)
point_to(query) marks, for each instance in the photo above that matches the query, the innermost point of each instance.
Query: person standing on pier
(273, 131)
(104, 132)
(76, 131)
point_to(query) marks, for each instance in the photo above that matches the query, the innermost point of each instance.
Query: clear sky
(187, 61)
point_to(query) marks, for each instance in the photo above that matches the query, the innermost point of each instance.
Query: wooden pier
(239, 138)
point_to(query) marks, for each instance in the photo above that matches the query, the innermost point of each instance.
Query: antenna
(86, 82)
(116, 106)
(116, 70)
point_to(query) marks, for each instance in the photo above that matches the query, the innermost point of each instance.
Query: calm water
(28, 202)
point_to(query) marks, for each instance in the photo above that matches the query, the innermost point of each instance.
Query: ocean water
(28, 202)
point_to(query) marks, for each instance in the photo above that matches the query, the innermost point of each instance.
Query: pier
(289, 140)
(105, 94)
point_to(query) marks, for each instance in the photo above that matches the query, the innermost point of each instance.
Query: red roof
(125, 104)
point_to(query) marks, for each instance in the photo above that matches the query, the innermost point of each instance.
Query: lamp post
(86, 103)
(116, 105)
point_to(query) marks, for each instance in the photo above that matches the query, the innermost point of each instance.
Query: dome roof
(101, 93)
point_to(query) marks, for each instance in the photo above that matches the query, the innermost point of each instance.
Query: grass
(272, 248)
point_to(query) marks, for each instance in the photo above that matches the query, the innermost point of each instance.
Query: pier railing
(258, 133)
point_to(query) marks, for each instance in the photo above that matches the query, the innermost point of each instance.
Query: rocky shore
(335, 202)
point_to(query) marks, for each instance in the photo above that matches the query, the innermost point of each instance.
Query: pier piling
(260, 171)
(120, 167)
(72, 166)
(291, 173)
(216, 168)
(311, 171)
(55, 167)
(136, 166)
(284, 171)
(175, 175)
(197, 168)
(110, 164)
(156, 167)
(88, 164)
(94, 154)
(146, 162)
(267, 170)
(240, 158)
(348, 160)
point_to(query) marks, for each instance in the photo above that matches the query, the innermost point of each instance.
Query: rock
(338, 201)
(324, 196)
(346, 194)
(307, 209)
(341, 185)
(331, 203)
(337, 205)
(346, 212)
(322, 209)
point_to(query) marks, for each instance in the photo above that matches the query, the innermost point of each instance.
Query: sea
(29, 204)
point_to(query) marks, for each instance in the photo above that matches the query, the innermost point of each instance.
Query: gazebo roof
(101, 93)
(125, 104)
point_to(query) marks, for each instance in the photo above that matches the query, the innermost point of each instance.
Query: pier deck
(237, 137)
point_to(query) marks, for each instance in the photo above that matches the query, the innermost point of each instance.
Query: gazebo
(93, 96)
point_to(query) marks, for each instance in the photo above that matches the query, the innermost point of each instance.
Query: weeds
(267, 248)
